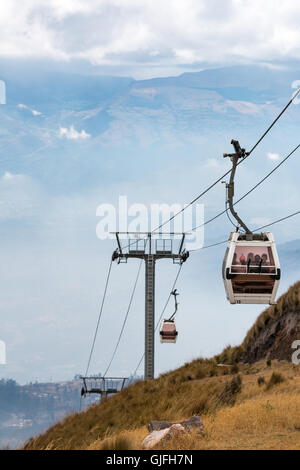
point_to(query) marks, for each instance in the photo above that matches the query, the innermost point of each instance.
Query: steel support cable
(163, 311)
(229, 171)
(251, 190)
(126, 317)
(99, 316)
(211, 246)
(274, 122)
(255, 230)
(277, 221)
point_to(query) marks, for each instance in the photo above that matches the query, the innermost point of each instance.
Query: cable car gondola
(168, 332)
(251, 269)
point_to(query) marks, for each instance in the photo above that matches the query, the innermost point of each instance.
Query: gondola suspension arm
(234, 157)
(174, 293)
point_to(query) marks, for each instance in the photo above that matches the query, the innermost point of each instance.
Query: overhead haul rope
(229, 171)
(174, 284)
(208, 189)
(255, 230)
(277, 221)
(162, 313)
(204, 248)
(250, 191)
(126, 317)
(99, 317)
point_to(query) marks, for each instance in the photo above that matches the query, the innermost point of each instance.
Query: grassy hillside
(238, 410)
(272, 334)
(252, 416)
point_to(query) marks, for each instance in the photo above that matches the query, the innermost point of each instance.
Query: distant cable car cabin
(251, 269)
(168, 332)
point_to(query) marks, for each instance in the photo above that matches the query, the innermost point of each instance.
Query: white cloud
(7, 176)
(244, 107)
(186, 56)
(72, 134)
(33, 111)
(152, 34)
(273, 156)
(10, 176)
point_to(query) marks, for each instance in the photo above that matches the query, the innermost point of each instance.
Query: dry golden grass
(262, 417)
(125, 440)
(246, 417)
(259, 423)
(271, 422)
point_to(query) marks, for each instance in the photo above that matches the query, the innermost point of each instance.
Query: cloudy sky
(152, 38)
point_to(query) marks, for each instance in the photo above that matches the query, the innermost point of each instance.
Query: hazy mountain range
(116, 112)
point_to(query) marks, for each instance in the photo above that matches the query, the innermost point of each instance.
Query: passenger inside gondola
(242, 259)
(246, 262)
(253, 261)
